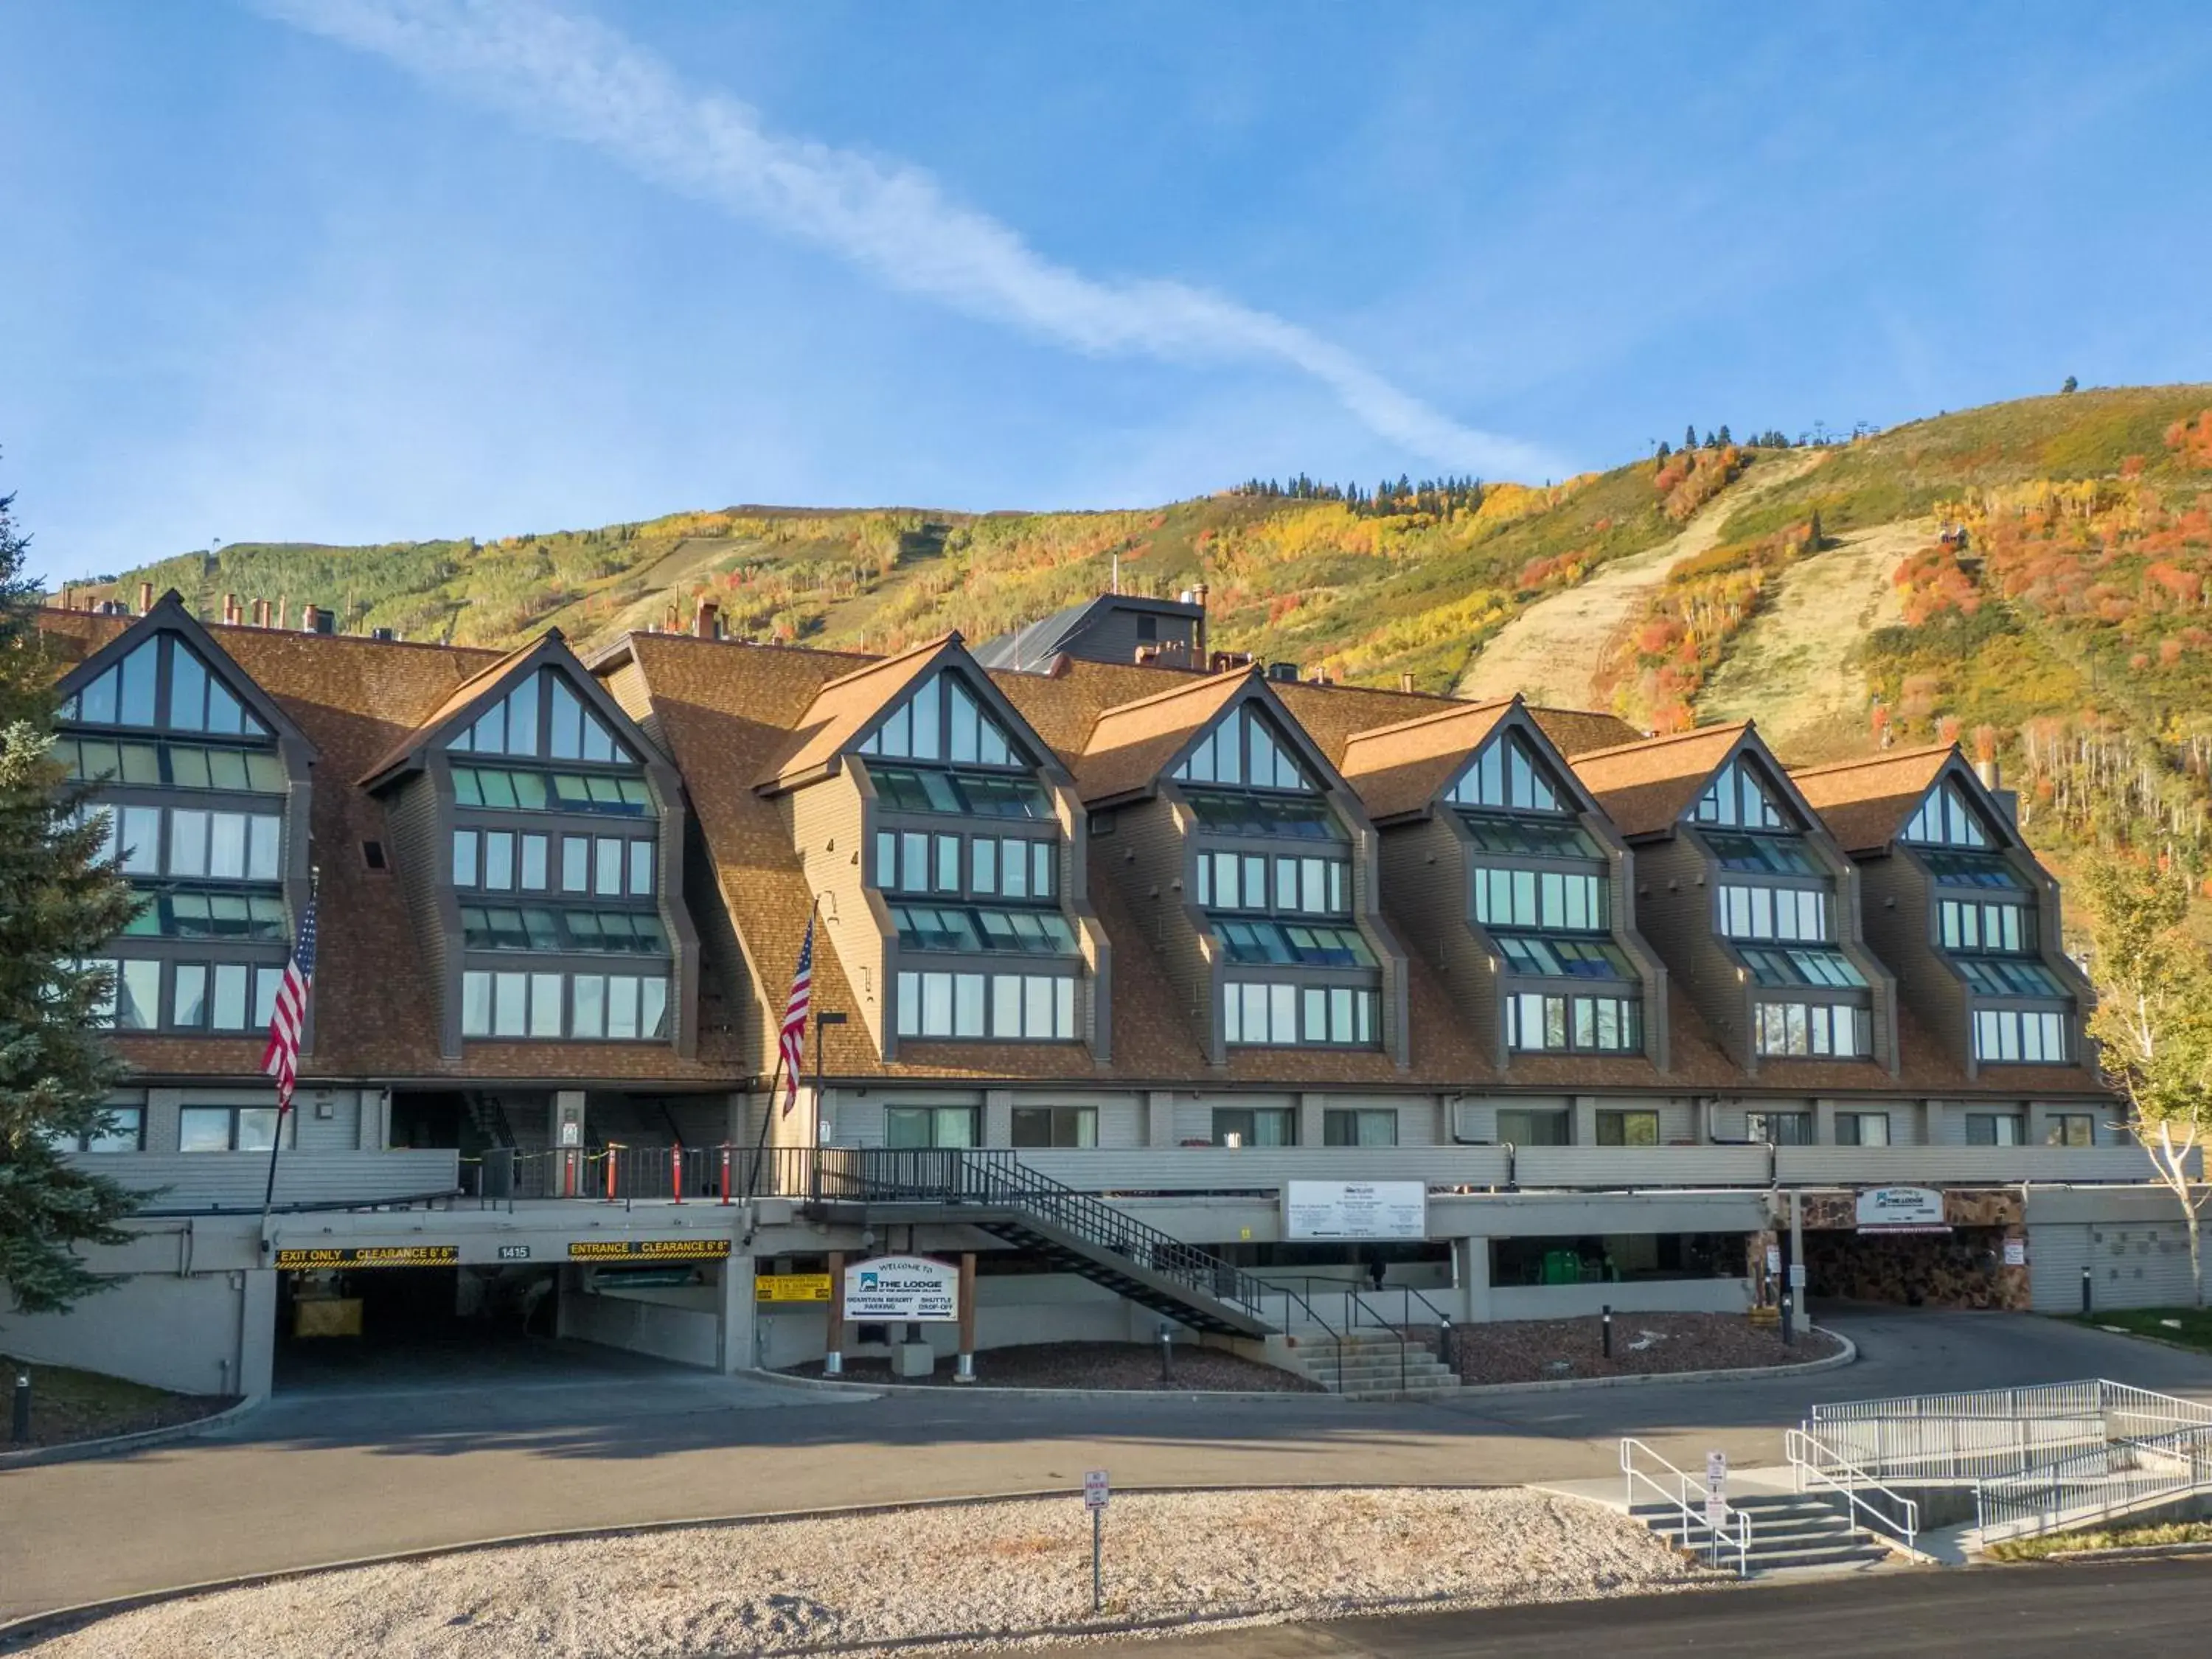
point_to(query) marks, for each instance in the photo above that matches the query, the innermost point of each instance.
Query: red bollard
(676, 1173)
(725, 1175)
(610, 1172)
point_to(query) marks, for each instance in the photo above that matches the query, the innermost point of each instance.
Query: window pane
(1283, 1013)
(653, 1007)
(203, 1129)
(476, 1003)
(261, 847)
(1063, 1011)
(188, 843)
(967, 1006)
(257, 1129)
(499, 859)
(545, 1004)
(226, 845)
(948, 864)
(1006, 1006)
(189, 1003)
(137, 996)
(187, 691)
(937, 1005)
(607, 869)
(464, 858)
(510, 1008)
(229, 1005)
(985, 859)
(622, 1006)
(641, 869)
(588, 1019)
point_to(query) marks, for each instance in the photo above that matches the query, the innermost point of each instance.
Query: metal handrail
(1358, 1304)
(1906, 1529)
(1738, 1530)
(2038, 1500)
(995, 1177)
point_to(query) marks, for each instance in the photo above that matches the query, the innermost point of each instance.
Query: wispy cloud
(584, 82)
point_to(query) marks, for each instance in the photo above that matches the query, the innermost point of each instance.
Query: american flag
(792, 1042)
(280, 1059)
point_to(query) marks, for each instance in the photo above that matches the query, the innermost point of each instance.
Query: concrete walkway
(316, 1478)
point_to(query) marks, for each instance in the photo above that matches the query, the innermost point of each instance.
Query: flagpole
(775, 1077)
(283, 1100)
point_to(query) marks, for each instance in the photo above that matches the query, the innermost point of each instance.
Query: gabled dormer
(1749, 901)
(944, 845)
(206, 782)
(1958, 906)
(538, 838)
(1252, 864)
(1499, 865)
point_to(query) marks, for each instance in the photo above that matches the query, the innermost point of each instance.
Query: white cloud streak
(582, 80)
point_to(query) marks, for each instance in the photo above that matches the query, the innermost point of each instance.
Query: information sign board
(1356, 1209)
(792, 1287)
(902, 1287)
(1901, 1209)
(373, 1255)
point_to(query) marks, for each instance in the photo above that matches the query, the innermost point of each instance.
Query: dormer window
(1508, 776)
(568, 730)
(162, 683)
(1243, 752)
(1737, 800)
(1944, 819)
(943, 721)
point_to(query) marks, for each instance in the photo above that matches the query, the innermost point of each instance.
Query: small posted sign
(1095, 1490)
(1716, 1489)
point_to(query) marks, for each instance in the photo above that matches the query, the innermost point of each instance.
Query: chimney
(261, 613)
(145, 597)
(229, 610)
(1990, 773)
(707, 621)
(1198, 598)
(1405, 681)
(310, 620)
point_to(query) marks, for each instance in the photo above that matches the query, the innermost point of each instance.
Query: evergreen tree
(60, 900)
(1664, 451)
(1690, 437)
(1725, 440)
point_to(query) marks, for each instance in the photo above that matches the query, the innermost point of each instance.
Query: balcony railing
(210, 1183)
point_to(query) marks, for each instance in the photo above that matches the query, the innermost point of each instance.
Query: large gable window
(162, 683)
(542, 715)
(943, 721)
(1738, 799)
(1944, 819)
(1246, 750)
(1507, 775)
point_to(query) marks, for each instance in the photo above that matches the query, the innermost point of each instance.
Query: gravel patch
(1131, 1365)
(1644, 1345)
(990, 1572)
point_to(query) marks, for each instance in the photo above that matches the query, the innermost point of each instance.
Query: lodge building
(1101, 914)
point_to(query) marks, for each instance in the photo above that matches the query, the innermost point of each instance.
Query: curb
(962, 1390)
(1844, 1356)
(55, 1620)
(2131, 1552)
(80, 1451)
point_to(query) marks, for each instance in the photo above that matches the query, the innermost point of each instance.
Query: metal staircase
(996, 1194)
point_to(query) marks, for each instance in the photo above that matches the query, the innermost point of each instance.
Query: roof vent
(1284, 671)
(384, 634)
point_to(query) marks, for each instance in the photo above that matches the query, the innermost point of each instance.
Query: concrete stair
(1787, 1530)
(1371, 1370)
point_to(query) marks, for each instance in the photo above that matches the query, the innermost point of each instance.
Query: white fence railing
(1868, 1502)
(2122, 1478)
(1675, 1491)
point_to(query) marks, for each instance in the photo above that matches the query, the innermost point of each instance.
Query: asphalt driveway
(318, 1477)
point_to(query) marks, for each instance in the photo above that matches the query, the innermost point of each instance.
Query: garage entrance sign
(1901, 1209)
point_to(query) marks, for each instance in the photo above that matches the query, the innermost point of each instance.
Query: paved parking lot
(369, 1470)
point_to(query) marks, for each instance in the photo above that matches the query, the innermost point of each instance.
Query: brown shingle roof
(1646, 786)
(459, 698)
(1399, 769)
(843, 705)
(1132, 743)
(1866, 802)
(1578, 731)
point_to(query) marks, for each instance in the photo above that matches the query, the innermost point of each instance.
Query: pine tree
(1664, 451)
(1690, 437)
(60, 900)
(1725, 440)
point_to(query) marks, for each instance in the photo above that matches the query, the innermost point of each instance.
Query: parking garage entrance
(1917, 1247)
(393, 1313)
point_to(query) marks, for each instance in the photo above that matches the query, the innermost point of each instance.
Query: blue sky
(361, 269)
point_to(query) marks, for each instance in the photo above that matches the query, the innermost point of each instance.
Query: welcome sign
(1901, 1209)
(902, 1287)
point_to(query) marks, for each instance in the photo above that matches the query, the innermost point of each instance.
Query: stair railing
(1359, 1305)
(1733, 1528)
(995, 1177)
(1820, 1465)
